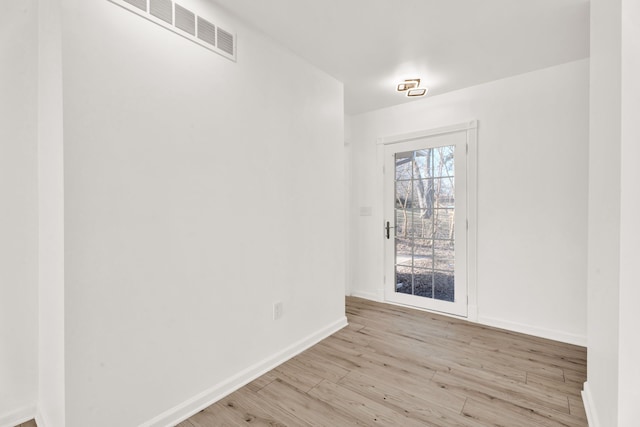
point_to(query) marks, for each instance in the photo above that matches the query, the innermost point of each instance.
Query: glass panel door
(425, 250)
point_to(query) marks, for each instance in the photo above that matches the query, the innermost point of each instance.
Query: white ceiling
(370, 45)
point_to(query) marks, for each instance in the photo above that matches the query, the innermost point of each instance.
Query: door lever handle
(387, 228)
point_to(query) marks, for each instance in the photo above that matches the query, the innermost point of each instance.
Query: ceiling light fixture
(408, 84)
(421, 91)
(412, 88)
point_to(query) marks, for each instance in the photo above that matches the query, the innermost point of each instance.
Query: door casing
(471, 129)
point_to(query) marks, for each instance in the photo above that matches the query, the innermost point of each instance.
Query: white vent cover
(184, 22)
(162, 9)
(140, 4)
(206, 31)
(225, 41)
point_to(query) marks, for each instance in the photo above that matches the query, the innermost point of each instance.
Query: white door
(425, 228)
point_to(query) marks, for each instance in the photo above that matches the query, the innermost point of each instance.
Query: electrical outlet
(277, 310)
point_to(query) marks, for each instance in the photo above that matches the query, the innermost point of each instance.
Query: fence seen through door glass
(424, 223)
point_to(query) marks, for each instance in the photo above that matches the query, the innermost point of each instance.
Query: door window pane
(423, 282)
(443, 285)
(404, 252)
(425, 228)
(404, 279)
(423, 253)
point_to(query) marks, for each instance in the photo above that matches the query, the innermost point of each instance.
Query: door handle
(387, 228)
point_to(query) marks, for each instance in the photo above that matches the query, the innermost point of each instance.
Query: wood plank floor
(394, 366)
(31, 423)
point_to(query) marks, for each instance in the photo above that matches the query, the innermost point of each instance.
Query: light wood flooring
(394, 366)
(31, 423)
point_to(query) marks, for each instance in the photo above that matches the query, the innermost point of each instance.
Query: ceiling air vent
(182, 21)
(206, 31)
(162, 9)
(140, 4)
(225, 41)
(185, 20)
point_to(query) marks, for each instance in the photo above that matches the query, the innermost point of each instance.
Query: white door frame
(471, 129)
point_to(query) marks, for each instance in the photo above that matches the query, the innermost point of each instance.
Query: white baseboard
(367, 295)
(554, 335)
(589, 407)
(18, 416)
(192, 406)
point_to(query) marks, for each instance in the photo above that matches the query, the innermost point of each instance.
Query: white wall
(629, 392)
(604, 213)
(348, 185)
(18, 211)
(611, 392)
(51, 363)
(198, 192)
(532, 192)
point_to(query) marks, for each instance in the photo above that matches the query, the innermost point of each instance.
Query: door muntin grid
(425, 222)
